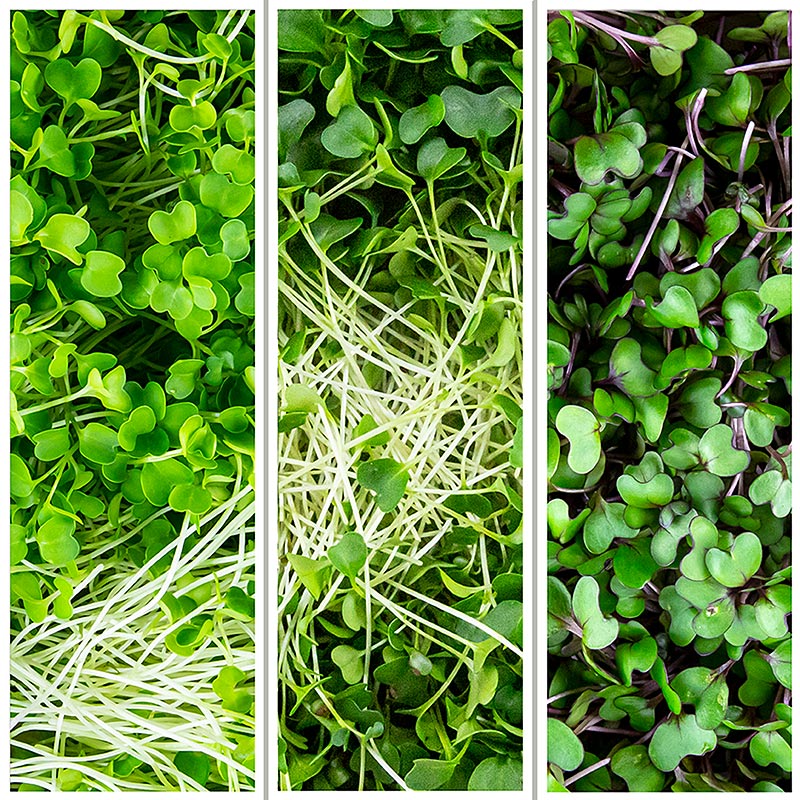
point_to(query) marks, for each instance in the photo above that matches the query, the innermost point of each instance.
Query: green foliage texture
(400, 427)
(132, 400)
(669, 375)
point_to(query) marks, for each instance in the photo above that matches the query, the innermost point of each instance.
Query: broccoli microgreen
(133, 400)
(399, 247)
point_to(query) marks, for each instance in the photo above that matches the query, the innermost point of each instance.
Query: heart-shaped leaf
(780, 659)
(200, 117)
(759, 686)
(172, 297)
(351, 134)
(227, 198)
(736, 567)
(676, 310)
(715, 619)
(389, 174)
(63, 234)
(350, 661)
(73, 81)
(634, 766)
(173, 226)
(615, 151)
(142, 420)
(718, 454)
(631, 374)
(197, 263)
(239, 164)
(564, 748)
(677, 738)
(311, 572)
(633, 563)
(100, 275)
(300, 30)
(196, 765)
(703, 285)
(98, 443)
(681, 613)
(435, 158)
(772, 487)
(741, 311)
(713, 704)
(293, 118)
(582, 429)
(579, 207)
(771, 611)
(598, 631)
(480, 116)
(698, 403)
(159, 478)
(769, 747)
(57, 544)
(734, 105)
(496, 774)
(605, 523)
(637, 656)
(561, 525)
(777, 292)
(235, 239)
(704, 535)
(416, 122)
(380, 17)
(387, 479)
(719, 225)
(226, 686)
(190, 497)
(430, 773)
(687, 193)
(349, 554)
(675, 39)
(700, 594)
(646, 486)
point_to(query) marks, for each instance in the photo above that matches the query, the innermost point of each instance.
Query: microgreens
(669, 437)
(132, 454)
(400, 614)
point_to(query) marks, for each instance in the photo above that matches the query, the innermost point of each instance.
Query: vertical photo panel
(399, 487)
(132, 286)
(669, 441)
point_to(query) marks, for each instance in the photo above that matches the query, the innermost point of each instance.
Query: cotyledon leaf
(582, 429)
(598, 631)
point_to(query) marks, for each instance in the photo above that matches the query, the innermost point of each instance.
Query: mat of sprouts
(400, 423)
(132, 533)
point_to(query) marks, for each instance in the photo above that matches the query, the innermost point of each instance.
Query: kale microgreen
(669, 432)
(132, 452)
(399, 246)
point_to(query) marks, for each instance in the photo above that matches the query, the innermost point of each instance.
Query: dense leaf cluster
(132, 406)
(400, 614)
(669, 371)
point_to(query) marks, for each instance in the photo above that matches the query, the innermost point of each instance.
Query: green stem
(500, 35)
(57, 402)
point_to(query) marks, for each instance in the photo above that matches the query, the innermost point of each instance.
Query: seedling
(132, 449)
(400, 614)
(669, 442)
